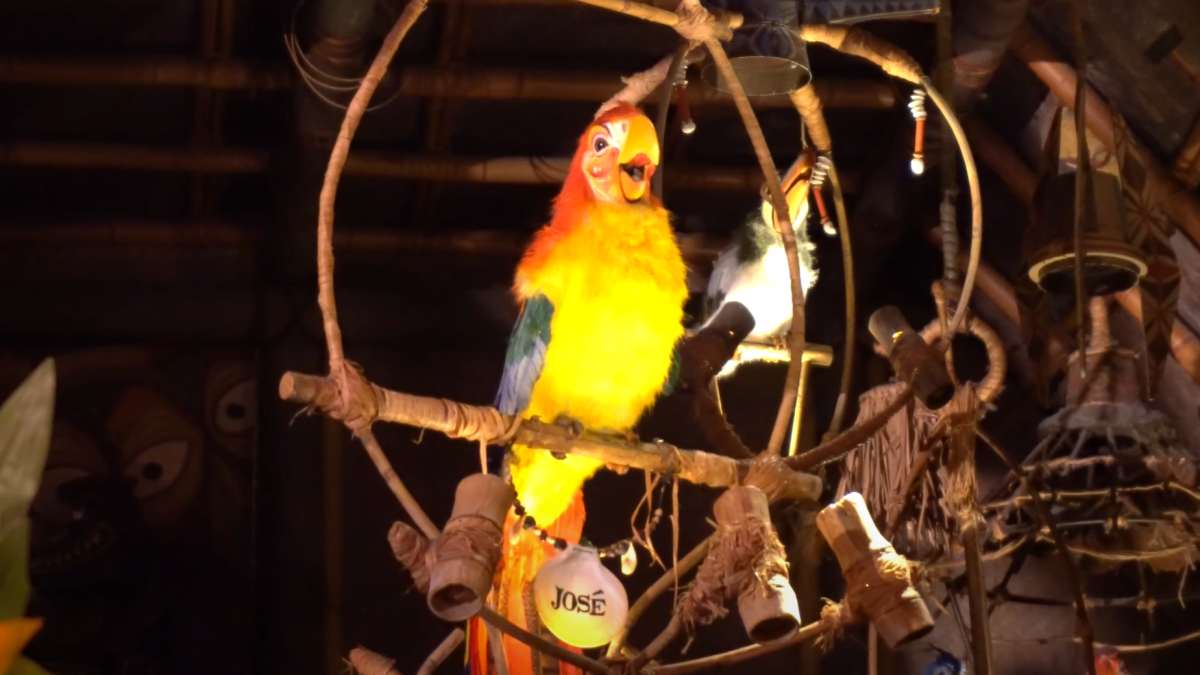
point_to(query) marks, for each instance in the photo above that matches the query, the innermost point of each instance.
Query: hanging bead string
(820, 172)
(621, 549)
(683, 110)
(917, 107)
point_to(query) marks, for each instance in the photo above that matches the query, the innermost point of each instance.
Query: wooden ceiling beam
(469, 83)
(696, 247)
(498, 170)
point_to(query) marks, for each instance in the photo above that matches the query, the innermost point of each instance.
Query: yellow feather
(618, 283)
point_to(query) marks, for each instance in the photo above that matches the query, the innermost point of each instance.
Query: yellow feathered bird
(602, 289)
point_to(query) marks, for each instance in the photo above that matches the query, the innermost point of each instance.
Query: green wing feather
(526, 355)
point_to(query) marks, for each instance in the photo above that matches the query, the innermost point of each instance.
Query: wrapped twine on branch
(410, 547)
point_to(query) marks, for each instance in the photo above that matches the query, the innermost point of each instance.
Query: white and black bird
(753, 271)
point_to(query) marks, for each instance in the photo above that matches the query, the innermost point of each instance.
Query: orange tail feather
(476, 650)
(523, 558)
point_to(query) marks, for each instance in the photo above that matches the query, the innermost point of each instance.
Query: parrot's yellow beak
(638, 159)
(795, 189)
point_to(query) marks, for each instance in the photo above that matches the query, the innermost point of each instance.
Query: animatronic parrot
(602, 289)
(753, 271)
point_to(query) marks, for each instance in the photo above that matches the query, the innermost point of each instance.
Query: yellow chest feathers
(618, 283)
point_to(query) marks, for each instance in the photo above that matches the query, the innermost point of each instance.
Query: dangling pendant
(629, 559)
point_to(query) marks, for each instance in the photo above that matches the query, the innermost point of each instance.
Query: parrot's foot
(781, 341)
(573, 426)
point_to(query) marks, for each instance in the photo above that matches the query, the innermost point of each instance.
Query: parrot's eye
(599, 144)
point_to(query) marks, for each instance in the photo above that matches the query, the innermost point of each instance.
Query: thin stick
(808, 105)
(496, 644)
(810, 632)
(839, 205)
(557, 651)
(397, 486)
(972, 171)
(779, 202)
(452, 641)
(685, 565)
(1124, 649)
(1083, 626)
(851, 439)
(333, 173)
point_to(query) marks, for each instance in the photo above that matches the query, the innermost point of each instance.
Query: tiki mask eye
(237, 408)
(157, 468)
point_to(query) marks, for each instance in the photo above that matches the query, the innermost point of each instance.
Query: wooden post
(769, 610)
(877, 578)
(466, 554)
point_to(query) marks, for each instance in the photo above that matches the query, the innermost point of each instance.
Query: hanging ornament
(579, 600)
(629, 559)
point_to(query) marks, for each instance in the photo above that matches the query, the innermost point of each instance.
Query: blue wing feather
(526, 355)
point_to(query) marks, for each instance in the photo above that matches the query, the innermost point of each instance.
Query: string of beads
(622, 549)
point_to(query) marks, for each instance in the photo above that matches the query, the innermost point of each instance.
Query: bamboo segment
(468, 551)
(877, 578)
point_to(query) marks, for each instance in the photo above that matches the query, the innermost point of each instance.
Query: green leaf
(26, 422)
(14, 570)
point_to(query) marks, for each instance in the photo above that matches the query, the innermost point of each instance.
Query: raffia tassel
(366, 662)
(834, 618)
(747, 555)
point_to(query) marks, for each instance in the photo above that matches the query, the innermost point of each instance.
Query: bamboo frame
(347, 396)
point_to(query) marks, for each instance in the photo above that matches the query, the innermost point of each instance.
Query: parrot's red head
(618, 154)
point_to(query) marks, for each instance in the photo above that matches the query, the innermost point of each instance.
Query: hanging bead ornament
(686, 124)
(622, 549)
(578, 599)
(820, 172)
(917, 107)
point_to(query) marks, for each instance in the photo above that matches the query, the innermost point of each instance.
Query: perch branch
(487, 424)
(858, 42)
(1083, 626)
(452, 641)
